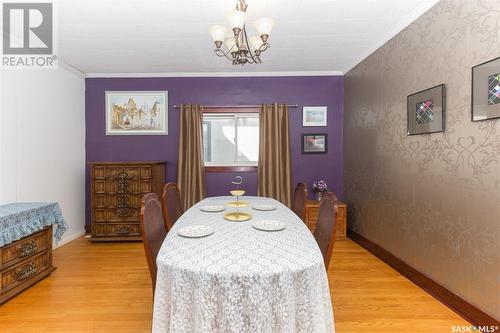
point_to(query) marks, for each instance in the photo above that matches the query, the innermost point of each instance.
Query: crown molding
(61, 63)
(70, 68)
(213, 74)
(419, 11)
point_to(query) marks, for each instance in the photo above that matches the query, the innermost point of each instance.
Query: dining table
(239, 278)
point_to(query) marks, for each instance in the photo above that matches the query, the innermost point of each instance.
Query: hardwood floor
(105, 287)
(97, 287)
(369, 296)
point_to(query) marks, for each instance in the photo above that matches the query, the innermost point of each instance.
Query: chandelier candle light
(238, 48)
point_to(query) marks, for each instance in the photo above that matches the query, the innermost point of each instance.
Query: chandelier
(238, 48)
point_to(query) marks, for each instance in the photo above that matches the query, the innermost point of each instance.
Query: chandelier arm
(249, 48)
(252, 59)
(264, 47)
(220, 53)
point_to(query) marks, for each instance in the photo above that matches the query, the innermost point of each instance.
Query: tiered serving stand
(237, 216)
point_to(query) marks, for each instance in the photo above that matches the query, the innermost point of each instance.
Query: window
(231, 139)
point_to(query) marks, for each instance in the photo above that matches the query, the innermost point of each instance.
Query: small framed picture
(314, 143)
(136, 113)
(314, 116)
(426, 111)
(486, 90)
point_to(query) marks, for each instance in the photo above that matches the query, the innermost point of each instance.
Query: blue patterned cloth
(18, 220)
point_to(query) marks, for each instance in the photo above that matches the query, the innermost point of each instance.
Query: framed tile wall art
(314, 116)
(136, 112)
(314, 143)
(426, 111)
(486, 90)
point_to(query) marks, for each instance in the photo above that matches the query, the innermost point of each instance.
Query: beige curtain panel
(190, 172)
(274, 154)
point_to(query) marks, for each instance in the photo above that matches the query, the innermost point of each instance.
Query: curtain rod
(235, 106)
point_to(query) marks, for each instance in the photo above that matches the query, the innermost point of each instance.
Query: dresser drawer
(99, 186)
(146, 172)
(145, 186)
(122, 186)
(340, 228)
(100, 201)
(99, 229)
(341, 212)
(99, 172)
(25, 247)
(132, 172)
(17, 274)
(122, 200)
(312, 214)
(116, 229)
(125, 214)
(122, 229)
(341, 217)
(112, 171)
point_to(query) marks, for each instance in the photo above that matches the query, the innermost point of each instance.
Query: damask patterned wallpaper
(432, 200)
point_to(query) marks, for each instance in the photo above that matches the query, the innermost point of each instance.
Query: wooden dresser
(116, 191)
(312, 209)
(25, 262)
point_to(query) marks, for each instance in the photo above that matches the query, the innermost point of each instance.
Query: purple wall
(308, 91)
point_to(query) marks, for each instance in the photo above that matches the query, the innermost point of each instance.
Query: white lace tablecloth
(240, 279)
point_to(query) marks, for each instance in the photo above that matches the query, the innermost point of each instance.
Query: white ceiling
(102, 37)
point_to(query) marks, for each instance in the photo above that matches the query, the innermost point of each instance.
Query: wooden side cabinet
(312, 209)
(25, 262)
(117, 188)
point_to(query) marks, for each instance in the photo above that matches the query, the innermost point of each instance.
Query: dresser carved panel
(117, 188)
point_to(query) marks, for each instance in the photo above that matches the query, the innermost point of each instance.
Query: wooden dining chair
(325, 226)
(171, 204)
(152, 230)
(299, 201)
(333, 196)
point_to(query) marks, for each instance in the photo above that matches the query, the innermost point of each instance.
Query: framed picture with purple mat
(486, 90)
(426, 111)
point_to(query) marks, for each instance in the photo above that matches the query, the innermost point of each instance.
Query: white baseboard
(68, 239)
